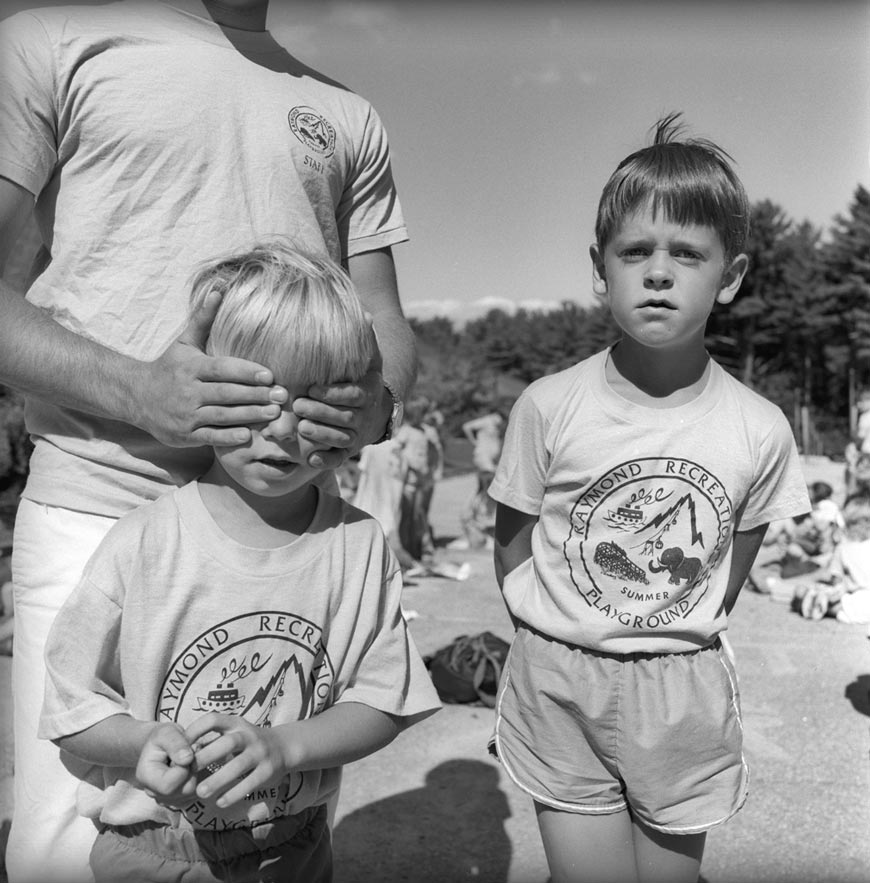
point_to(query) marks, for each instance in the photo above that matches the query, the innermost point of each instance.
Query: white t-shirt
(173, 619)
(637, 506)
(154, 140)
(850, 562)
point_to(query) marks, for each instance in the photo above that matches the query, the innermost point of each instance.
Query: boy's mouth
(658, 304)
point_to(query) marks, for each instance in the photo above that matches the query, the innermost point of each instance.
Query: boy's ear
(731, 279)
(599, 281)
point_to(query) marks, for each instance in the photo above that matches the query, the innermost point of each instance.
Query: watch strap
(394, 421)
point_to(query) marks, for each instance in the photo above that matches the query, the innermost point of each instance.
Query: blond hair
(290, 310)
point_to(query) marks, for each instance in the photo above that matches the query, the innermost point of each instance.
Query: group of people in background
(396, 482)
(819, 562)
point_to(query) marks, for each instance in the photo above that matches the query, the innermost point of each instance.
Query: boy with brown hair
(633, 492)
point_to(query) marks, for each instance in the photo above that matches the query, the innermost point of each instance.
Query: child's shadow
(858, 693)
(449, 830)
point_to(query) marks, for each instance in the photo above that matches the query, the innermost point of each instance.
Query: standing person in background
(433, 425)
(478, 517)
(633, 493)
(149, 137)
(419, 456)
(485, 435)
(379, 491)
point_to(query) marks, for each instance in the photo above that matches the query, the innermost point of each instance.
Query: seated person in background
(843, 590)
(826, 516)
(797, 546)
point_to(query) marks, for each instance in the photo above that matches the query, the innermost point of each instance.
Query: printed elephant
(674, 560)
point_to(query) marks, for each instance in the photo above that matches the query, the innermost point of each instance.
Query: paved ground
(434, 808)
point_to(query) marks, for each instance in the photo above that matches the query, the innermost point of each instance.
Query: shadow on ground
(5, 825)
(858, 693)
(450, 829)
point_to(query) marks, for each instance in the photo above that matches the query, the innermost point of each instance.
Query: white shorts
(48, 841)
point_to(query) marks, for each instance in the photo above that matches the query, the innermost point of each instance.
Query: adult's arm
(182, 398)
(345, 417)
(374, 277)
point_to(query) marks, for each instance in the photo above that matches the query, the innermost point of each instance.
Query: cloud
(542, 77)
(375, 19)
(549, 76)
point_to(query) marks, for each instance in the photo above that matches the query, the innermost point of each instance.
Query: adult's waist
(92, 464)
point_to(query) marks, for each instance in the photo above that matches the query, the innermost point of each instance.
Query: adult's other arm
(339, 420)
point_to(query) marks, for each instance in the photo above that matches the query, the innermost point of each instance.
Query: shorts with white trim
(660, 735)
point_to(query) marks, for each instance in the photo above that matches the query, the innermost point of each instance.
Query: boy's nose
(283, 427)
(658, 272)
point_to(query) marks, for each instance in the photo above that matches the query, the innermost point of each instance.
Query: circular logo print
(644, 538)
(312, 130)
(268, 667)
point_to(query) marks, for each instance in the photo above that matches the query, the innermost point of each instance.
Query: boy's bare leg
(588, 849)
(614, 848)
(667, 858)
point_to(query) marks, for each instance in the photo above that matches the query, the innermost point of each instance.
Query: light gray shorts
(657, 734)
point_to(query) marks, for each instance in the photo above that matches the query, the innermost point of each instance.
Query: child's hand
(166, 768)
(246, 757)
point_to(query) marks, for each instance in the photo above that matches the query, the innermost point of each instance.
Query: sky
(505, 119)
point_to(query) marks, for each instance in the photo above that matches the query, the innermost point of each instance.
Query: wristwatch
(394, 421)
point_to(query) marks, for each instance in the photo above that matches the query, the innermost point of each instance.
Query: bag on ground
(468, 669)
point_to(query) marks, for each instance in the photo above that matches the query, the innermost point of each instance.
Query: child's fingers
(158, 779)
(212, 725)
(181, 755)
(169, 742)
(224, 776)
(232, 787)
(217, 752)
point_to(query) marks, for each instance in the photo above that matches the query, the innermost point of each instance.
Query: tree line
(798, 332)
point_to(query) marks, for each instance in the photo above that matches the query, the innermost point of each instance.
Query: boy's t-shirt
(228, 141)
(637, 506)
(174, 619)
